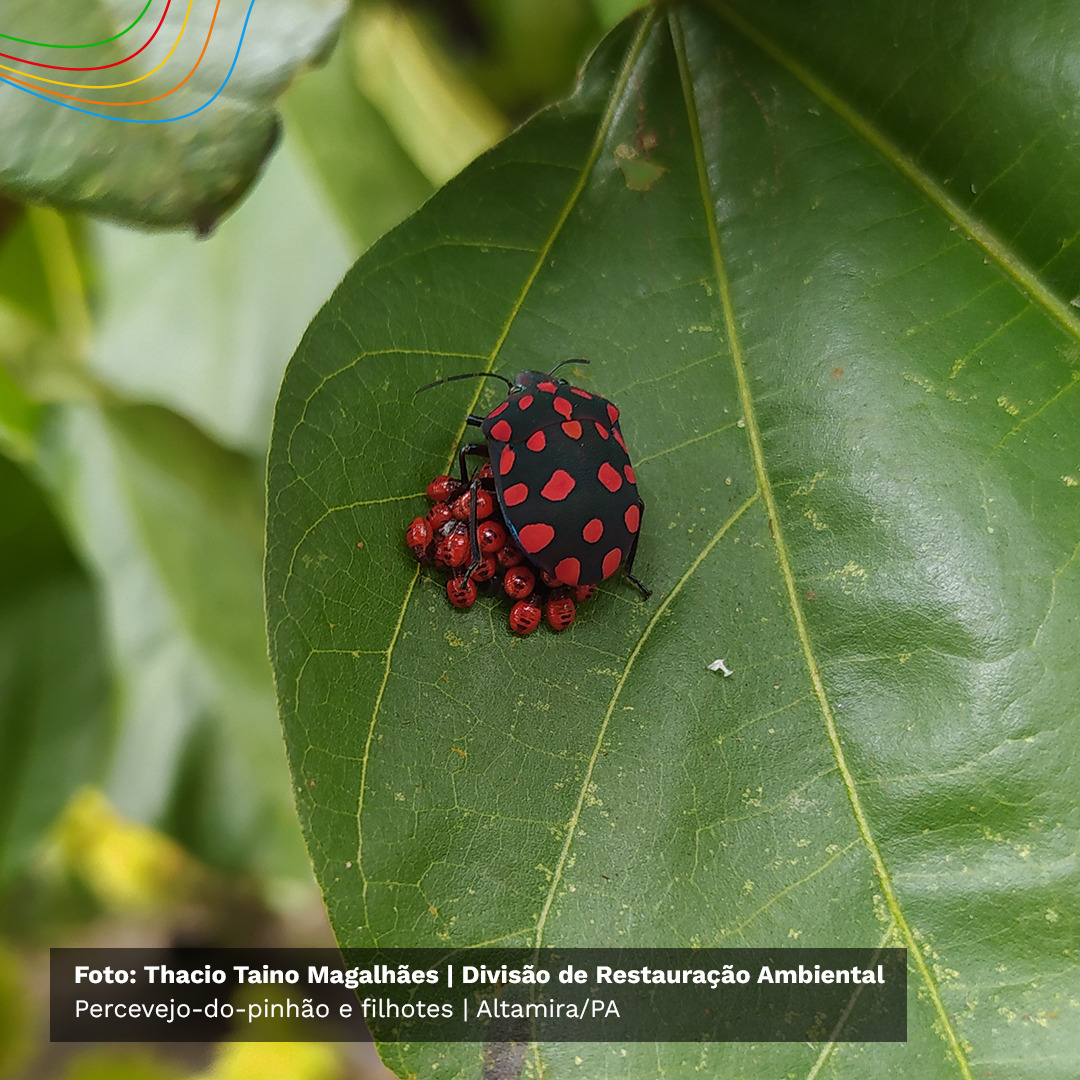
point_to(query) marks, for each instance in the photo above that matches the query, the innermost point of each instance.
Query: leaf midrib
(787, 573)
(586, 170)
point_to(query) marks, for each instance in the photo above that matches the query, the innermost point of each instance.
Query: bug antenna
(561, 363)
(467, 375)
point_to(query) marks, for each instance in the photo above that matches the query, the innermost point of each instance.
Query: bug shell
(563, 478)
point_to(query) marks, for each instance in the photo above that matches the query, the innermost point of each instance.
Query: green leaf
(170, 523)
(168, 519)
(19, 417)
(370, 179)
(54, 682)
(23, 279)
(852, 406)
(438, 116)
(237, 303)
(165, 172)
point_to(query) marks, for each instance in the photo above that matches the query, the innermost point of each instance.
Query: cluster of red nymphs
(442, 539)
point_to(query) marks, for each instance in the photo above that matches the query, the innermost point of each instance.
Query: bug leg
(474, 536)
(629, 565)
(645, 593)
(477, 449)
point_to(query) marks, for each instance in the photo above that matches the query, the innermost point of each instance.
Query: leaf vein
(1026, 277)
(783, 558)
(575, 817)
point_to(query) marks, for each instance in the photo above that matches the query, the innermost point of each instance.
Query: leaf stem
(67, 289)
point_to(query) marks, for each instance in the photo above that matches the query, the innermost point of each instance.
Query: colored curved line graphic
(89, 44)
(147, 101)
(163, 120)
(102, 67)
(108, 86)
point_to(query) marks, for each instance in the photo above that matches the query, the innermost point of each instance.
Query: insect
(561, 476)
(442, 539)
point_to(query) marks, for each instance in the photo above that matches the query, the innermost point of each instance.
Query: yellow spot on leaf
(639, 172)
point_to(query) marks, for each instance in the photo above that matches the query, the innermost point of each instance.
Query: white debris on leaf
(719, 665)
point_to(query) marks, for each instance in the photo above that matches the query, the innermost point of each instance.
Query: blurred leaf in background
(440, 119)
(138, 374)
(54, 682)
(16, 1018)
(152, 171)
(129, 868)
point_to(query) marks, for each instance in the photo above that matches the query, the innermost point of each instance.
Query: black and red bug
(562, 478)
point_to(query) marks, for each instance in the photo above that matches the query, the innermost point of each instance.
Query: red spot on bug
(535, 538)
(498, 409)
(563, 407)
(559, 486)
(537, 441)
(609, 477)
(628, 472)
(581, 393)
(593, 531)
(611, 562)
(547, 387)
(613, 413)
(516, 493)
(501, 431)
(601, 430)
(572, 429)
(525, 401)
(632, 517)
(506, 460)
(568, 571)
(618, 438)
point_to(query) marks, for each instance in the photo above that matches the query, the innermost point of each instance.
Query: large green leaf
(159, 170)
(851, 400)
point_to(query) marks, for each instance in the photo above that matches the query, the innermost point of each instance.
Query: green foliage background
(825, 262)
(138, 373)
